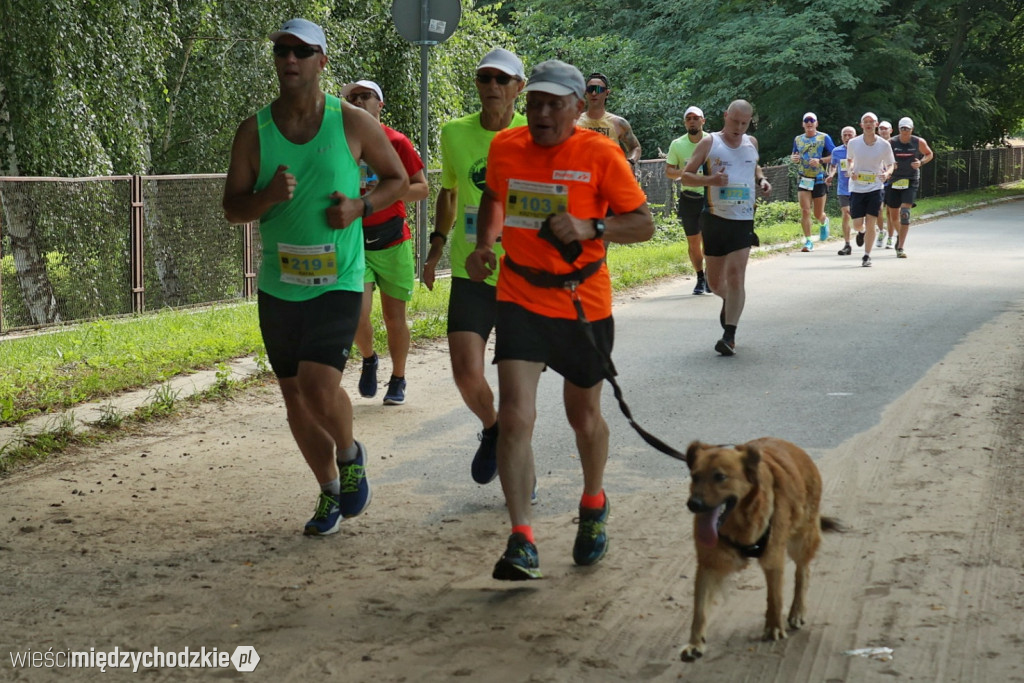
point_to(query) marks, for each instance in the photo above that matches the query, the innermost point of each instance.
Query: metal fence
(74, 249)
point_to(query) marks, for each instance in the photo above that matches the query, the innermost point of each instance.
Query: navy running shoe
(485, 463)
(368, 377)
(591, 538)
(520, 561)
(327, 517)
(355, 488)
(395, 395)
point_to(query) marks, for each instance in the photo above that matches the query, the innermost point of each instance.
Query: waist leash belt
(571, 281)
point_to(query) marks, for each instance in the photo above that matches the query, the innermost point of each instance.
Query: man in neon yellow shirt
(294, 168)
(471, 308)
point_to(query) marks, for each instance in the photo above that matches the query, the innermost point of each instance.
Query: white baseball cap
(304, 30)
(869, 115)
(907, 122)
(349, 87)
(693, 110)
(810, 115)
(504, 61)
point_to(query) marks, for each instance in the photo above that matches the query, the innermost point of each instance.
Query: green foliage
(160, 88)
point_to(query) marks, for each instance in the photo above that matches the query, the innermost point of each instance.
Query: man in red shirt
(390, 262)
(549, 188)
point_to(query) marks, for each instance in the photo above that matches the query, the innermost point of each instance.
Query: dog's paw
(774, 633)
(796, 621)
(691, 653)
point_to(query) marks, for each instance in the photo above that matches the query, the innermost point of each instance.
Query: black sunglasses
(810, 120)
(596, 89)
(301, 51)
(502, 79)
(357, 96)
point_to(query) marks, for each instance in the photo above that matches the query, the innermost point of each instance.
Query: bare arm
(366, 140)
(700, 155)
(926, 154)
(240, 203)
(418, 188)
(490, 219)
(444, 218)
(628, 139)
(623, 228)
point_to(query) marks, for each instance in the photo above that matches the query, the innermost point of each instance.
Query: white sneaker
(880, 242)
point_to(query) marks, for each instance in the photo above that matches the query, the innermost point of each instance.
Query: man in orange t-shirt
(549, 188)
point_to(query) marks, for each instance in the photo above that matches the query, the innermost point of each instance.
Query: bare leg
(397, 326)
(467, 351)
(517, 413)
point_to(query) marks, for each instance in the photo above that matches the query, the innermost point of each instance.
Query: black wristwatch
(598, 229)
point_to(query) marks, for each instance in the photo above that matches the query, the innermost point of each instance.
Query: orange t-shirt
(583, 175)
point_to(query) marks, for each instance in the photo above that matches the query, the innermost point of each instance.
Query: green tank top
(303, 257)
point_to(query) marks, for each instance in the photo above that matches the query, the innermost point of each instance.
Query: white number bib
(734, 194)
(470, 213)
(308, 265)
(806, 183)
(528, 204)
(865, 177)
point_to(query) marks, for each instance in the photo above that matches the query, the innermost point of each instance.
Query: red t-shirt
(583, 175)
(413, 165)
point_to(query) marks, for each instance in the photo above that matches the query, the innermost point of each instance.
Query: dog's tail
(832, 524)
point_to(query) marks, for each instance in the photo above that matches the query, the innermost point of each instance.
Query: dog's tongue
(707, 526)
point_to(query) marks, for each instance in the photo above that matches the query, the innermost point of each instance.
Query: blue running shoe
(355, 488)
(485, 463)
(520, 561)
(395, 395)
(368, 377)
(591, 537)
(327, 517)
(823, 232)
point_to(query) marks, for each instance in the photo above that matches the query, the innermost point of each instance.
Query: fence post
(248, 261)
(136, 259)
(1, 269)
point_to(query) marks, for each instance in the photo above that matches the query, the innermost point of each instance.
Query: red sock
(592, 502)
(525, 530)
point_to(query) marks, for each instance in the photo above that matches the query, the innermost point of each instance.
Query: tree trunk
(29, 264)
(161, 250)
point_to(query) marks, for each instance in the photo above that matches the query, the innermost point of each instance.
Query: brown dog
(758, 500)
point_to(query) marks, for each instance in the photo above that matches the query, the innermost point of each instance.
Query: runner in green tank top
(293, 169)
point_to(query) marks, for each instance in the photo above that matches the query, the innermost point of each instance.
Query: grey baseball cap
(557, 78)
(304, 30)
(504, 61)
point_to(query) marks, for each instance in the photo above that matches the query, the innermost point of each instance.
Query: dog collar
(753, 551)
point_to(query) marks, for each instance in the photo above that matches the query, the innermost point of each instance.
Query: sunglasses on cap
(361, 96)
(300, 51)
(596, 89)
(906, 128)
(501, 79)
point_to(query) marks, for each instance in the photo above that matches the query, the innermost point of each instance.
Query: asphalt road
(823, 347)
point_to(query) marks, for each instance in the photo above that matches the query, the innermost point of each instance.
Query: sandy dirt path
(189, 534)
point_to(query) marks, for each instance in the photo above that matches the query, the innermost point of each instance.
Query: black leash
(571, 281)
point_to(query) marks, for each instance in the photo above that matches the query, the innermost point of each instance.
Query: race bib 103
(528, 204)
